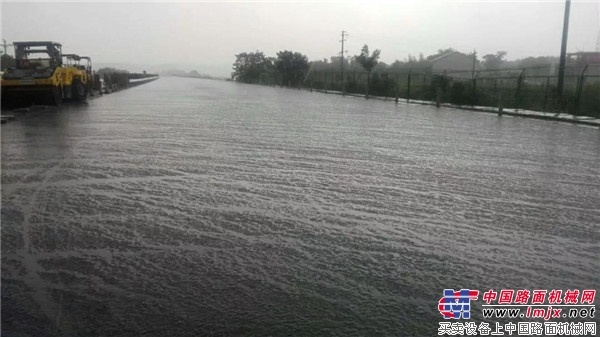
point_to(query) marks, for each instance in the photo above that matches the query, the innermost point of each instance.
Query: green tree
(381, 67)
(252, 68)
(292, 67)
(491, 61)
(540, 66)
(269, 74)
(320, 65)
(421, 64)
(368, 61)
(7, 61)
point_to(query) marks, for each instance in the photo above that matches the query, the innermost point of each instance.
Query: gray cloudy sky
(206, 35)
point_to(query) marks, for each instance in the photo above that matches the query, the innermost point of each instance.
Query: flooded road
(189, 207)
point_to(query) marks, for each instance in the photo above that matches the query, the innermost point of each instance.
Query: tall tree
(6, 61)
(491, 61)
(368, 62)
(252, 67)
(292, 67)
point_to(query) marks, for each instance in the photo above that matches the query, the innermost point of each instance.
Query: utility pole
(344, 35)
(563, 52)
(5, 45)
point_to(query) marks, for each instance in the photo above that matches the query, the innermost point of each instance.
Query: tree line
(285, 69)
(290, 68)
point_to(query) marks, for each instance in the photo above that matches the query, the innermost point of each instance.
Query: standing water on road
(198, 207)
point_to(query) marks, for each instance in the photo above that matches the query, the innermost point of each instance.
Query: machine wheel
(57, 96)
(79, 90)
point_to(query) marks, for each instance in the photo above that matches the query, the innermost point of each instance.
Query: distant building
(583, 57)
(577, 61)
(456, 64)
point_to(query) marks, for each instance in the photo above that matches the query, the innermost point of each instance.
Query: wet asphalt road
(193, 207)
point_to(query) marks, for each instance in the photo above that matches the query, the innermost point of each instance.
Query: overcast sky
(206, 35)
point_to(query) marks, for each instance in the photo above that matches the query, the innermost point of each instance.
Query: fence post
(397, 87)
(495, 92)
(518, 91)
(325, 79)
(500, 106)
(333, 80)
(387, 82)
(474, 93)
(408, 86)
(344, 81)
(580, 89)
(368, 80)
(546, 93)
(438, 88)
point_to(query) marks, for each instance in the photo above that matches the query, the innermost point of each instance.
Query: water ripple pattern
(189, 207)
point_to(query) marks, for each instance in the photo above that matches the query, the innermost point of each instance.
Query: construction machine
(91, 83)
(80, 75)
(40, 77)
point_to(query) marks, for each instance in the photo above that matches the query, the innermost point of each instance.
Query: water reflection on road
(198, 207)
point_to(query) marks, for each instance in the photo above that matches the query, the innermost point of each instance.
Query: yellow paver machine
(41, 77)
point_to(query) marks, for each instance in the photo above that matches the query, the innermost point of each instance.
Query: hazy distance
(205, 36)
